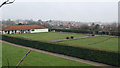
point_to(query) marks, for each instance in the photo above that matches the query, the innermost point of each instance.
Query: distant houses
(20, 29)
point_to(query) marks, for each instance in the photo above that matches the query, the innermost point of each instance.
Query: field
(14, 54)
(48, 36)
(102, 43)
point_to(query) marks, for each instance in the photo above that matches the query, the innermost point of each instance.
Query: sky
(66, 10)
(64, 0)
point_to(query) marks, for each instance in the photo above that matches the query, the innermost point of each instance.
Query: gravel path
(80, 38)
(70, 39)
(63, 56)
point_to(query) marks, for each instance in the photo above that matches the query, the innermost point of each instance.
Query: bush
(67, 37)
(93, 35)
(106, 57)
(72, 37)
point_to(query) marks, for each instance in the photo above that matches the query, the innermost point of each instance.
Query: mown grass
(14, 54)
(105, 43)
(48, 36)
(93, 42)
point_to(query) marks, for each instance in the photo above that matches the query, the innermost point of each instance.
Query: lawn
(95, 42)
(14, 54)
(48, 36)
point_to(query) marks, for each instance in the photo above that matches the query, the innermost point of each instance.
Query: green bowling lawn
(102, 43)
(48, 36)
(94, 42)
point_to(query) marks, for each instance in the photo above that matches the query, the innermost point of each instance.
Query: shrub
(93, 35)
(67, 37)
(72, 37)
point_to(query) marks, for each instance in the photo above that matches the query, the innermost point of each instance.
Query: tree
(84, 27)
(6, 2)
(39, 21)
(97, 26)
(92, 29)
(20, 24)
(9, 22)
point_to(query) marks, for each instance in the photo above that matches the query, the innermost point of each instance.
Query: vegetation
(14, 54)
(103, 43)
(48, 36)
(72, 37)
(107, 57)
(110, 45)
(91, 31)
(71, 30)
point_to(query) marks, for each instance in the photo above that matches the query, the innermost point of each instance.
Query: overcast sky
(67, 10)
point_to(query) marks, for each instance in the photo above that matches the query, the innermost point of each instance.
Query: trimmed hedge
(111, 58)
(71, 30)
(114, 33)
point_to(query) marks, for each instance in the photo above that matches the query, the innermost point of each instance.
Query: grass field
(48, 36)
(14, 54)
(93, 42)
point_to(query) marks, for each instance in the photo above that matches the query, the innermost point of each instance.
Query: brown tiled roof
(23, 27)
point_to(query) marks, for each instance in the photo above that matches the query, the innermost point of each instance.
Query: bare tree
(6, 2)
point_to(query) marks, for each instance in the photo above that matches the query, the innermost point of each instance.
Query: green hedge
(114, 33)
(106, 57)
(71, 30)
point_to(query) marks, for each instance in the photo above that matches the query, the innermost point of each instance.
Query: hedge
(111, 58)
(114, 33)
(71, 30)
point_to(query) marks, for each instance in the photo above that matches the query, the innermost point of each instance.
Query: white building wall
(39, 30)
(35, 31)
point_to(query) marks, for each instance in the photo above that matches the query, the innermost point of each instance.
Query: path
(81, 38)
(63, 56)
(70, 39)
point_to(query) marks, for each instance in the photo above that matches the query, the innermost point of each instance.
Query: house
(20, 29)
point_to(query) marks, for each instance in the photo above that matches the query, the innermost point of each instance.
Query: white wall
(39, 30)
(35, 31)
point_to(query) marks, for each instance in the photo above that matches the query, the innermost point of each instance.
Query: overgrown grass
(14, 54)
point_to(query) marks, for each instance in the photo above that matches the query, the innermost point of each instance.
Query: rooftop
(23, 27)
